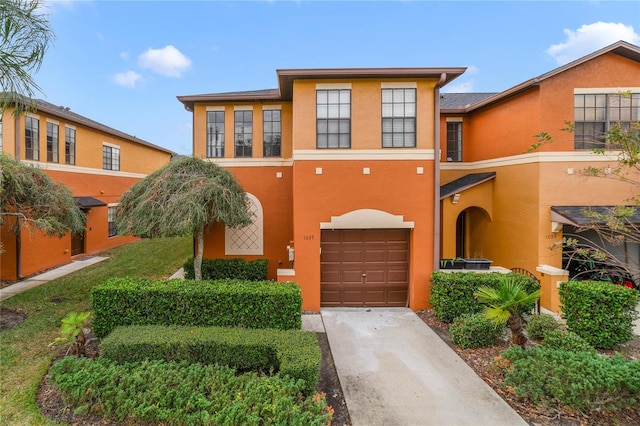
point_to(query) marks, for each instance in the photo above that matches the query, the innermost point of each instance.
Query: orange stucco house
(371, 176)
(96, 162)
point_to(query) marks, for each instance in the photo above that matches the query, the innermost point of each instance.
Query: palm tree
(504, 303)
(24, 39)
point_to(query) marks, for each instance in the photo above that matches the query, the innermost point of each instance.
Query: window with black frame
(215, 134)
(110, 157)
(272, 133)
(243, 133)
(398, 118)
(333, 118)
(70, 145)
(595, 114)
(454, 141)
(32, 138)
(53, 142)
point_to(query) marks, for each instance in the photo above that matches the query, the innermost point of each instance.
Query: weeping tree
(182, 198)
(24, 38)
(504, 303)
(34, 200)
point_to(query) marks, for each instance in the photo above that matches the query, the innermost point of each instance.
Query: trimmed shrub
(566, 341)
(452, 293)
(599, 312)
(229, 303)
(578, 380)
(291, 352)
(540, 324)
(224, 268)
(474, 331)
(182, 393)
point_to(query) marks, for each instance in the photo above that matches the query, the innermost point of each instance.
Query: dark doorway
(461, 224)
(77, 243)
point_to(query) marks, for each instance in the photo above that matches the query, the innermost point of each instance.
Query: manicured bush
(474, 331)
(224, 268)
(566, 341)
(452, 293)
(291, 352)
(582, 381)
(228, 303)
(183, 393)
(599, 312)
(540, 324)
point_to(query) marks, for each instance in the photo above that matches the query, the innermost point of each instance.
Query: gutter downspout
(436, 172)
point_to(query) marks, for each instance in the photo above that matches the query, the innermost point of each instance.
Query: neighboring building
(96, 162)
(340, 164)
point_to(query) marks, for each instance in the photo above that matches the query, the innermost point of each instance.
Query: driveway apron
(395, 370)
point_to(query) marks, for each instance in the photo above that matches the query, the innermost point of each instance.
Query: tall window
(333, 118)
(271, 133)
(454, 141)
(32, 138)
(110, 157)
(215, 134)
(398, 118)
(594, 114)
(69, 145)
(243, 133)
(111, 212)
(53, 142)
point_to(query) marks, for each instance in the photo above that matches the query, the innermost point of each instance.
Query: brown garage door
(364, 267)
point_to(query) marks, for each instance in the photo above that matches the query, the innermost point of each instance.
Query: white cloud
(127, 79)
(589, 38)
(461, 87)
(167, 61)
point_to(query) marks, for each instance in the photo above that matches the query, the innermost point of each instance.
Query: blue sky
(123, 63)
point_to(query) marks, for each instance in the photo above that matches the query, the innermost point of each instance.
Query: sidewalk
(45, 277)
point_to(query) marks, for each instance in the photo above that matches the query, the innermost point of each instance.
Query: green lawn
(24, 353)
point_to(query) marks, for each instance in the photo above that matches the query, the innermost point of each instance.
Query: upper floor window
(594, 114)
(398, 118)
(53, 142)
(244, 133)
(454, 141)
(110, 157)
(215, 134)
(271, 133)
(70, 145)
(32, 138)
(333, 118)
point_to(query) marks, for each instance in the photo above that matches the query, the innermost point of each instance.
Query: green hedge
(540, 324)
(228, 303)
(182, 393)
(600, 312)
(290, 352)
(222, 269)
(583, 381)
(452, 293)
(474, 331)
(566, 341)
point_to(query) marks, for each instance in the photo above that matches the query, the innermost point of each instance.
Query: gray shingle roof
(465, 182)
(461, 100)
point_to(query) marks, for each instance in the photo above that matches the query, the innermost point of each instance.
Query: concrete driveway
(395, 370)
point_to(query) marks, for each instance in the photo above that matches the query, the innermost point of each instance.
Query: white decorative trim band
(250, 162)
(243, 107)
(112, 145)
(69, 126)
(32, 115)
(329, 86)
(56, 122)
(454, 119)
(603, 90)
(83, 170)
(538, 157)
(367, 219)
(271, 107)
(363, 154)
(215, 108)
(399, 85)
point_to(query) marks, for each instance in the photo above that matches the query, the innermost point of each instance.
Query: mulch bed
(480, 361)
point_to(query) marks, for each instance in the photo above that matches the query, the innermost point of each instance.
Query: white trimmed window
(53, 142)
(596, 113)
(333, 118)
(111, 213)
(399, 118)
(32, 138)
(250, 239)
(110, 157)
(215, 133)
(70, 145)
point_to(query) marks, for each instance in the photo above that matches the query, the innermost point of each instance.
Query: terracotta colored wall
(276, 198)
(200, 129)
(318, 197)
